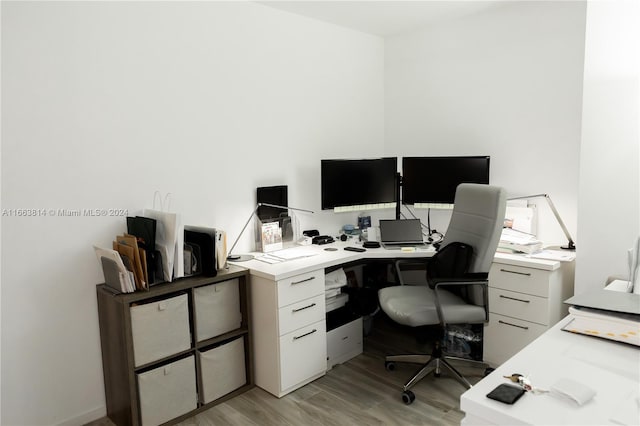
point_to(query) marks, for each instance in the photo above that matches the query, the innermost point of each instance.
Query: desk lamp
(246, 257)
(570, 245)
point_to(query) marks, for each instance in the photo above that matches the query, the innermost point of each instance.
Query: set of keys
(525, 382)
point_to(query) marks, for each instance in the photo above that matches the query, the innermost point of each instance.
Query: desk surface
(319, 257)
(611, 368)
(316, 257)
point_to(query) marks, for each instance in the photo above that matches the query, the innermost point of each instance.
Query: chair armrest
(441, 283)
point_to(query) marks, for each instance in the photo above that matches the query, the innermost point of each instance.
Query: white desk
(325, 259)
(288, 313)
(611, 368)
(288, 309)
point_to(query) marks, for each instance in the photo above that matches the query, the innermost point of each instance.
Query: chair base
(430, 363)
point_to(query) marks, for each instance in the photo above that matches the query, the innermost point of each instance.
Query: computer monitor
(276, 195)
(435, 179)
(361, 184)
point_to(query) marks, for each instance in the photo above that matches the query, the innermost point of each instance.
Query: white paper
(563, 256)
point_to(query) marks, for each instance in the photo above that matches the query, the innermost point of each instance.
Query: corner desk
(288, 307)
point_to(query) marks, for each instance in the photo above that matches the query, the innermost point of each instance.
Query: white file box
(217, 309)
(223, 370)
(167, 392)
(160, 329)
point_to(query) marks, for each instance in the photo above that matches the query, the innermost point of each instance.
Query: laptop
(400, 233)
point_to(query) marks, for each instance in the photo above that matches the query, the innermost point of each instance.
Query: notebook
(400, 232)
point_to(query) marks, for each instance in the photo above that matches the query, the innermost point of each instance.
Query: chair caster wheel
(488, 371)
(389, 365)
(408, 397)
(437, 374)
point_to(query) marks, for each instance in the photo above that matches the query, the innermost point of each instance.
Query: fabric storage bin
(217, 309)
(160, 329)
(223, 370)
(168, 391)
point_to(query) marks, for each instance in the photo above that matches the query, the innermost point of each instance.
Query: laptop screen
(400, 231)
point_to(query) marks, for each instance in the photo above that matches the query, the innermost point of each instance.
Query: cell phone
(506, 393)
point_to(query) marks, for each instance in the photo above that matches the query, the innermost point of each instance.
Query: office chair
(457, 277)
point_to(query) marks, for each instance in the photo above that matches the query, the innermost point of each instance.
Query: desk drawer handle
(303, 281)
(513, 298)
(528, 274)
(305, 334)
(303, 308)
(513, 325)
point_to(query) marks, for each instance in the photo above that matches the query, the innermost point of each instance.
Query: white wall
(105, 103)
(505, 82)
(609, 205)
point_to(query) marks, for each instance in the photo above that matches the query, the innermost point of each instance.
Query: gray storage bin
(168, 391)
(217, 309)
(160, 329)
(223, 370)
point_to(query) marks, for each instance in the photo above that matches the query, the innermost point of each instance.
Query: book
(617, 326)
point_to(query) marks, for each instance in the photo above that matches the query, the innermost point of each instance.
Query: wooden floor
(358, 392)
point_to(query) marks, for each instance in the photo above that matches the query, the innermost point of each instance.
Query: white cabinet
(525, 299)
(344, 342)
(289, 331)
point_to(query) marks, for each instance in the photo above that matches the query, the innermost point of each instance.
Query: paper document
(267, 258)
(563, 256)
(293, 253)
(517, 237)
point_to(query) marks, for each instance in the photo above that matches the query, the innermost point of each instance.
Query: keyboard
(400, 245)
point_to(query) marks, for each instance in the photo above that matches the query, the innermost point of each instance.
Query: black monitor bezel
(428, 180)
(340, 190)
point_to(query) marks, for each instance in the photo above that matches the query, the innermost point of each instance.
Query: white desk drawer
(505, 336)
(300, 287)
(517, 278)
(303, 354)
(519, 305)
(302, 313)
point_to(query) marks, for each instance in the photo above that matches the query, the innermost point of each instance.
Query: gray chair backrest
(477, 220)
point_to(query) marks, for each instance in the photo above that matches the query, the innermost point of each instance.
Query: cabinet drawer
(505, 336)
(167, 392)
(343, 343)
(160, 329)
(299, 314)
(519, 305)
(217, 309)
(303, 355)
(223, 370)
(516, 278)
(300, 287)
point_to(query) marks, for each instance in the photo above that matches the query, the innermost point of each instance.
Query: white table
(611, 368)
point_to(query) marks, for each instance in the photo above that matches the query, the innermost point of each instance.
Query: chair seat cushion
(415, 306)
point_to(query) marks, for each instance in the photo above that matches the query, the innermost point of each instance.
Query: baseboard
(85, 418)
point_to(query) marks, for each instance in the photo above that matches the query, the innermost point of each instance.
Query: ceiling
(382, 18)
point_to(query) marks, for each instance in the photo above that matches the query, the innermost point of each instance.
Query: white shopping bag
(169, 237)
